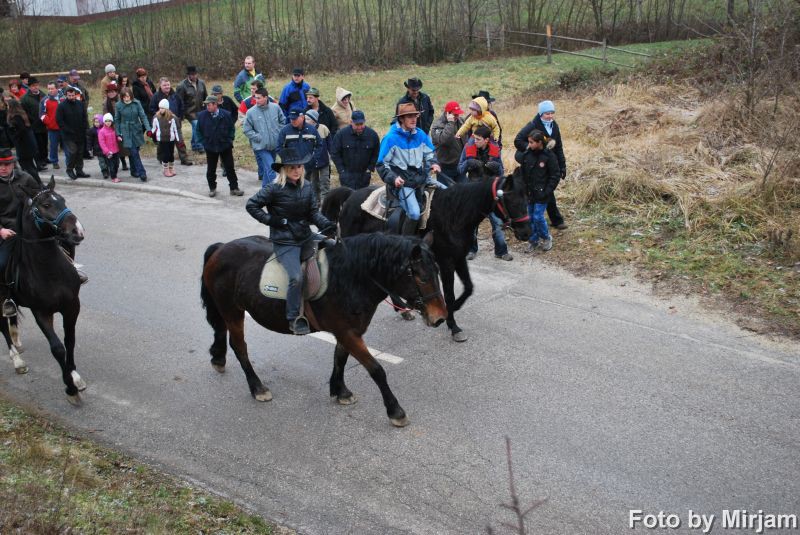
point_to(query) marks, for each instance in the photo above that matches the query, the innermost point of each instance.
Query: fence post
(488, 41)
(605, 44)
(503, 37)
(549, 44)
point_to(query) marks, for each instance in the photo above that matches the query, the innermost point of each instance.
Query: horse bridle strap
(421, 298)
(499, 199)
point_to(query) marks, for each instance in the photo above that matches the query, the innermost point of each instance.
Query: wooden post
(605, 44)
(549, 44)
(488, 41)
(503, 37)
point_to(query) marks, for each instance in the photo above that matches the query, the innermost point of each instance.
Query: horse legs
(45, 323)
(448, 287)
(355, 345)
(70, 318)
(338, 389)
(13, 352)
(462, 270)
(239, 346)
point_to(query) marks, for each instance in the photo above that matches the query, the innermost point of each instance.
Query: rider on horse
(405, 161)
(290, 206)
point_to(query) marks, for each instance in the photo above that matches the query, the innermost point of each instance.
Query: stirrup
(9, 308)
(300, 326)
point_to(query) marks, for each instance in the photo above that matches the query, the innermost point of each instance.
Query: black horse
(363, 270)
(43, 279)
(455, 214)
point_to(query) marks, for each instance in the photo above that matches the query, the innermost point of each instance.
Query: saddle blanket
(376, 205)
(274, 281)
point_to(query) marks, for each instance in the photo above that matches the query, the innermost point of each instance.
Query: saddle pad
(274, 281)
(375, 204)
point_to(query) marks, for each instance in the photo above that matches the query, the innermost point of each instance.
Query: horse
(43, 279)
(455, 214)
(362, 271)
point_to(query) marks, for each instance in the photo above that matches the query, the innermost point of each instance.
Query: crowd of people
(39, 118)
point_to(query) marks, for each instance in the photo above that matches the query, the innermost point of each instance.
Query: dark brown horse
(362, 271)
(455, 213)
(44, 280)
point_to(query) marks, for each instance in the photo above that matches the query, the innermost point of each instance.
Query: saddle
(274, 281)
(383, 204)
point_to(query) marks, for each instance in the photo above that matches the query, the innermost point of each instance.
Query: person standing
(318, 169)
(448, 146)
(262, 126)
(225, 102)
(16, 90)
(131, 122)
(111, 76)
(293, 96)
(246, 76)
(421, 101)
(354, 151)
(165, 91)
(297, 134)
(32, 102)
(110, 106)
(47, 114)
(343, 108)
(540, 171)
(23, 138)
(165, 133)
(192, 92)
(71, 119)
(216, 129)
(326, 115)
(143, 90)
(545, 122)
(250, 101)
(109, 145)
(74, 79)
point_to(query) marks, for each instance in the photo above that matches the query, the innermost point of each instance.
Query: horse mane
(364, 257)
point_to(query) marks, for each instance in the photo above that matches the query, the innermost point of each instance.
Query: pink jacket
(107, 137)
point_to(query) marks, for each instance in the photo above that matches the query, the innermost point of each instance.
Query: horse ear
(52, 184)
(428, 238)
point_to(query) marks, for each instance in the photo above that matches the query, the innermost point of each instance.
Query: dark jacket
(291, 201)
(23, 138)
(320, 158)
(474, 161)
(521, 141)
(175, 103)
(305, 140)
(424, 106)
(448, 147)
(216, 133)
(229, 105)
(192, 97)
(9, 201)
(140, 94)
(354, 155)
(540, 172)
(31, 104)
(71, 119)
(327, 118)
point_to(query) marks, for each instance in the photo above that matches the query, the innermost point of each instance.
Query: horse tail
(332, 205)
(213, 315)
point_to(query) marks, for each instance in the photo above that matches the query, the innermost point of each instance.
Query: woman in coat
(131, 124)
(21, 134)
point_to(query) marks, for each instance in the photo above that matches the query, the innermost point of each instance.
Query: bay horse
(455, 214)
(43, 279)
(362, 271)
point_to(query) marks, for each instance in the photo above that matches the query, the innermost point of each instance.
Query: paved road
(612, 399)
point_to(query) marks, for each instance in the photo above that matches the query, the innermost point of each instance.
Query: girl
(110, 106)
(109, 144)
(479, 115)
(17, 91)
(124, 81)
(165, 133)
(93, 143)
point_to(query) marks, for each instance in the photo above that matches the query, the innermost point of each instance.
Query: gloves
(279, 224)
(149, 134)
(474, 165)
(329, 231)
(493, 168)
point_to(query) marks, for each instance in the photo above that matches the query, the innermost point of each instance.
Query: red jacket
(48, 112)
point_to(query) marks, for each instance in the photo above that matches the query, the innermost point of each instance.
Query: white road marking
(377, 353)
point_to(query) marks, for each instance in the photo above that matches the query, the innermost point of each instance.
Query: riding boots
(409, 227)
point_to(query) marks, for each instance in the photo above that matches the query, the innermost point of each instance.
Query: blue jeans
(409, 203)
(196, 145)
(289, 258)
(265, 158)
(54, 140)
(538, 222)
(498, 237)
(136, 163)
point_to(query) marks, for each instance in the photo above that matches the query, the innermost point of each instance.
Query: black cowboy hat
(413, 83)
(6, 156)
(289, 156)
(485, 94)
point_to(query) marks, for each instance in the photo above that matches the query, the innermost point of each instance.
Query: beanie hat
(110, 68)
(313, 115)
(546, 106)
(108, 117)
(163, 104)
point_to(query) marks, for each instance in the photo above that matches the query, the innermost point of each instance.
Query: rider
(10, 203)
(405, 161)
(290, 206)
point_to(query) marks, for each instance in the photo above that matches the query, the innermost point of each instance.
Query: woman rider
(290, 206)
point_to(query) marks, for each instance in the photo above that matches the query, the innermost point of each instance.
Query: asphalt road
(612, 399)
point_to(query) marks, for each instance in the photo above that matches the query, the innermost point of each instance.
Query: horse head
(511, 205)
(51, 216)
(421, 286)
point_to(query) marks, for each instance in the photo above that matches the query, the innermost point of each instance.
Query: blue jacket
(293, 97)
(216, 133)
(175, 103)
(305, 140)
(406, 154)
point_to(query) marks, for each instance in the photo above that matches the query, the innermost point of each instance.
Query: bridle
(500, 203)
(421, 299)
(39, 219)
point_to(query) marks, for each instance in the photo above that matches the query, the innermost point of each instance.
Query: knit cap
(546, 106)
(110, 68)
(108, 117)
(164, 104)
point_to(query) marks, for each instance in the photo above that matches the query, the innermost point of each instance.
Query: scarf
(548, 125)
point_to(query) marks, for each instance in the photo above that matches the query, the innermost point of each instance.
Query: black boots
(409, 227)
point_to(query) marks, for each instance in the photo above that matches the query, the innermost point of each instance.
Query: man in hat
(449, 147)
(297, 134)
(326, 115)
(291, 207)
(31, 103)
(249, 74)
(225, 102)
(192, 92)
(421, 102)
(405, 161)
(262, 126)
(74, 80)
(354, 151)
(165, 91)
(293, 96)
(216, 130)
(71, 119)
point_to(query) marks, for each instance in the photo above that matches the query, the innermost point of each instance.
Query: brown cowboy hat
(406, 109)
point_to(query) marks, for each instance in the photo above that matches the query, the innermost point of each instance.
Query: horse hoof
(460, 336)
(400, 422)
(80, 384)
(218, 368)
(351, 399)
(264, 396)
(75, 400)
(20, 348)
(22, 370)
(407, 315)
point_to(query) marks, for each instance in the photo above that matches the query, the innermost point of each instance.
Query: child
(541, 174)
(107, 138)
(165, 133)
(479, 115)
(93, 143)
